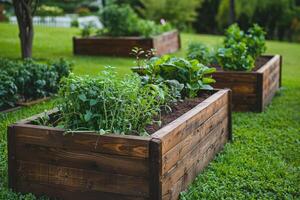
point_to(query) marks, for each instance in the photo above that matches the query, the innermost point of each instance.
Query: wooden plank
(190, 174)
(10, 110)
(182, 166)
(109, 163)
(121, 46)
(268, 65)
(155, 165)
(177, 130)
(33, 102)
(70, 193)
(84, 180)
(134, 146)
(11, 145)
(175, 154)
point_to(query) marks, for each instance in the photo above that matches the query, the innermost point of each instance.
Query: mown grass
(263, 162)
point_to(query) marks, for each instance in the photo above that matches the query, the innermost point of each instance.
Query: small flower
(163, 21)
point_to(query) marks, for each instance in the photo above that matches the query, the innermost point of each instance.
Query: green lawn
(263, 162)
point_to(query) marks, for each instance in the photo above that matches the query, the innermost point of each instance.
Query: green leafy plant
(32, 79)
(8, 91)
(123, 21)
(241, 49)
(200, 52)
(107, 104)
(235, 58)
(255, 40)
(193, 75)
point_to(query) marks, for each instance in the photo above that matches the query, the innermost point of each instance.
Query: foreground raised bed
(44, 161)
(252, 91)
(165, 43)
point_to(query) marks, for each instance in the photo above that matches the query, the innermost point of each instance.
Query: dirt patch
(177, 110)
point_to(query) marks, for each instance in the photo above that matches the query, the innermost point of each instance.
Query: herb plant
(109, 105)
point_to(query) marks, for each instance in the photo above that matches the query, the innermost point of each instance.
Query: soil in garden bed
(261, 61)
(178, 109)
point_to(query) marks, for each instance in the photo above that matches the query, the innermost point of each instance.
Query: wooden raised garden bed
(21, 104)
(46, 161)
(165, 43)
(252, 91)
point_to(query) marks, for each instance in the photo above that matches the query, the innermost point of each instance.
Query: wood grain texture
(115, 167)
(168, 42)
(252, 91)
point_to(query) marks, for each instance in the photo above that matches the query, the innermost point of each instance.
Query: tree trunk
(24, 10)
(232, 11)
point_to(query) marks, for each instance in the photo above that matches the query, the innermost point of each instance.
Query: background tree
(24, 11)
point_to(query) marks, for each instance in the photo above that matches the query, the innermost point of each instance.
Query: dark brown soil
(177, 110)
(261, 61)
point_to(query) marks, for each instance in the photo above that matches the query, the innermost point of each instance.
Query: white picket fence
(65, 21)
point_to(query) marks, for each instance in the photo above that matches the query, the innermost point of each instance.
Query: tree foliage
(180, 13)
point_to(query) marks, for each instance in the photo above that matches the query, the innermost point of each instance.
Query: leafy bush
(235, 57)
(193, 75)
(254, 39)
(45, 10)
(83, 11)
(32, 80)
(200, 52)
(108, 105)
(8, 91)
(123, 21)
(180, 14)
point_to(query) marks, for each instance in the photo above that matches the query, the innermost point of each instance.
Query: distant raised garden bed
(165, 43)
(252, 91)
(89, 166)
(19, 105)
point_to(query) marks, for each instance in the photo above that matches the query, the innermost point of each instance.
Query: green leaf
(82, 97)
(93, 102)
(88, 115)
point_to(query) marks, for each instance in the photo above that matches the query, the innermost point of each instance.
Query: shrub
(123, 21)
(8, 91)
(33, 80)
(83, 11)
(108, 105)
(45, 10)
(180, 14)
(235, 58)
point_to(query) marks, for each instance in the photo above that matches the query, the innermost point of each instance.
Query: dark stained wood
(177, 130)
(11, 144)
(10, 110)
(63, 192)
(82, 179)
(155, 158)
(109, 163)
(45, 161)
(168, 42)
(33, 102)
(110, 144)
(252, 91)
